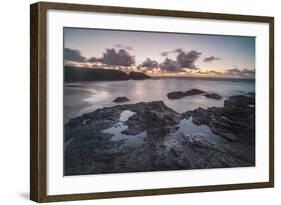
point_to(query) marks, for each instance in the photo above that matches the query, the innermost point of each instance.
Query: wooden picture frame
(38, 100)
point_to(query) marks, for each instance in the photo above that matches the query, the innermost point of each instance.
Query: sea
(84, 97)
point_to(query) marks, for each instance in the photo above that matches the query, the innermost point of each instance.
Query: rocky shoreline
(90, 148)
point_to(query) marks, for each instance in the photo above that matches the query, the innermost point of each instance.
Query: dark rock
(240, 103)
(213, 96)
(225, 133)
(186, 115)
(234, 122)
(194, 92)
(176, 95)
(155, 118)
(92, 151)
(205, 154)
(180, 94)
(138, 76)
(121, 99)
(200, 116)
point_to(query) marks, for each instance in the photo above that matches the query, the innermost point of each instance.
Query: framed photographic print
(134, 102)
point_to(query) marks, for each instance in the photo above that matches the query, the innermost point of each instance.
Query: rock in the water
(181, 94)
(176, 95)
(121, 99)
(194, 92)
(213, 96)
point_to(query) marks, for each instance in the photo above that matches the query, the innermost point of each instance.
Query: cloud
(187, 59)
(73, 55)
(165, 53)
(69, 63)
(94, 60)
(111, 57)
(170, 65)
(235, 72)
(150, 64)
(129, 48)
(210, 59)
(184, 60)
(230, 73)
(213, 72)
(115, 58)
(248, 73)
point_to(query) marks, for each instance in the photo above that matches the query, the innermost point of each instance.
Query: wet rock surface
(235, 121)
(181, 94)
(91, 150)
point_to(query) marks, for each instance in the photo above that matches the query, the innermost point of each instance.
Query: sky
(161, 54)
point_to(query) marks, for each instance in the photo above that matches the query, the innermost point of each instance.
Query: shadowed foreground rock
(234, 122)
(91, 150)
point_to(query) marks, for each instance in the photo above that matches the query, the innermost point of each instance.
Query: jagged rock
(121, 99)
(234, 122)
(240, 103)
(200, 116)
(84, 155)
(155, 117)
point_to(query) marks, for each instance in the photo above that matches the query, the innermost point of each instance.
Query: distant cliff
(99, 74)
(138, 76)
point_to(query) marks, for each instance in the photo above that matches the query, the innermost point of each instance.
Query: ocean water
(83, 97)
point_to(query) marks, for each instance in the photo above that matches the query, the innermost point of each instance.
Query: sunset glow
(161, 54)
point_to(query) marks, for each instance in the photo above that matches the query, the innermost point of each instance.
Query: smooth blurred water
(83, 97)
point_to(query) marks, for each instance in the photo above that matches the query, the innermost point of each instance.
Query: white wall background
(14, 102)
